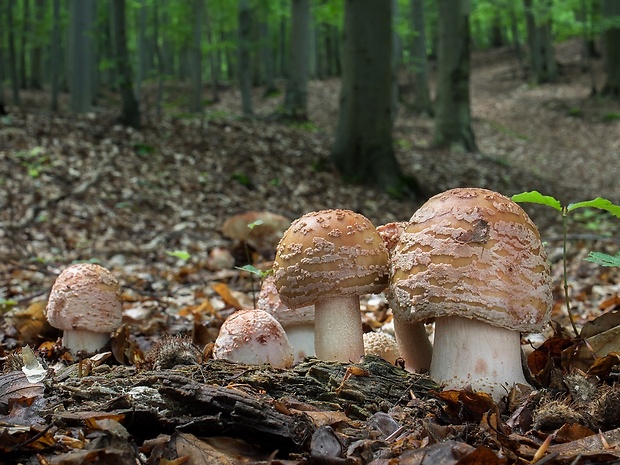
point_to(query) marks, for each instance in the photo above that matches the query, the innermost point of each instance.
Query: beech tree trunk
(244, 71)
(363, 150)
(542, 60)
(81, 54)
(12, 54)
(611, 39)
(422, 99)
(130, 112)
(296, 100)
(453, 111)
(55, 55)
(195, 103)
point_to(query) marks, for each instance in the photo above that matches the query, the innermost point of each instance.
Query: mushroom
(418, 348)
(381, 344)
(328, 259)
(298, 322)
(254, 337)
(85, 302)
(472, 260)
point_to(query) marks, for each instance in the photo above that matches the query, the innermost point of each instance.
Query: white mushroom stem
(88, 341)
(338, 334)
(413, 345)
(473, 353)
(301, 337)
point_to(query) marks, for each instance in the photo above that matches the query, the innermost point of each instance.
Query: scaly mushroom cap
(329, 253)
(85, 297)
(381, 344)
(473, 253)
(269, 301)
(253, 337)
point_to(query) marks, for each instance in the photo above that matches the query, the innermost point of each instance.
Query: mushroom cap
(254, 337)
(329, 253)
(269, 301)
(381, 344)
(85, 297)
(473, 253)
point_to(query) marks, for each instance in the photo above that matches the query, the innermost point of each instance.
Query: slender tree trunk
(36, 52)
(23, 45)
(453, 112)
(245, 66)
(296, 101)
(363, 150)
(130, 113)
(516, 41)
(422, 99)
(142, 44)
(214, 64)
(542, 60)
(55, 55)
(81, 50)
(611, 39)
(13, 72)
(195, 103)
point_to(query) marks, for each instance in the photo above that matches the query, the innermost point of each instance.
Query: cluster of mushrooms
(470, 260)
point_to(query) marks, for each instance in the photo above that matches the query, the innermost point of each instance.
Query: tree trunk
(611, 39)
(245, 38)
(12, 54)
(453, 112)
(363, 150)
(214, 65)
(542, 61)
(296, 101)
(23, 46)
(36, 52)
(130, 112)
(55, 55)
(195, 103)
(422, 99)
(141, 45)
(81, 49)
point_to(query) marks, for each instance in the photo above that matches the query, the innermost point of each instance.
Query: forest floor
(84, 188)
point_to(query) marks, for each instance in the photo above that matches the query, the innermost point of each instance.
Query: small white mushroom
(472, 260)
(85, 302)
(328, 259)
(253, 337)
(381, 344)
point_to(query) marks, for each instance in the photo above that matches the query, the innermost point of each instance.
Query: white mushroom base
(301, 337)
(87, 341)
(471, 353)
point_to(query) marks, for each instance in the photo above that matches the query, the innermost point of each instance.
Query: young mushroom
(253, 337)
(85, 302)
(472, 260)
(297, 322)
(381, 344)
(328, 259)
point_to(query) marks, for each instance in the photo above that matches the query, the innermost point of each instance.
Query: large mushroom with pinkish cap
(472, 260)
(328, 259)
(85, 302)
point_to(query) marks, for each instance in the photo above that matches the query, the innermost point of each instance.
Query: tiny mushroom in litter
(472, 260)
(381, 344)
(253, 337)
(298, 322)
(85, 302)
(328, 259)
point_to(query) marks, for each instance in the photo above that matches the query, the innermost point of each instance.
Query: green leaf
(600, 203)
(253, 224)
(537, 197)
(252, 269)
(181, 254)
(603, 259)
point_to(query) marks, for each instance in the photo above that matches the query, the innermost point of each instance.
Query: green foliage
(242, 179)
(262, 274)
(34, 160)
(611, 116)
(597, 257)
(142, 149)
(180, 254)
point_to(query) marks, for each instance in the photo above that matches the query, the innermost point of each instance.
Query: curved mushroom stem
(88, 341)
(413, 345)
(338, 334)
(473, 353)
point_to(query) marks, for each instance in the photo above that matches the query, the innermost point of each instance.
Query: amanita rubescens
(328, 259)
(472, 260)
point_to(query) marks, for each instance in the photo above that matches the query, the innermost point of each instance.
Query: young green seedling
(596, 257)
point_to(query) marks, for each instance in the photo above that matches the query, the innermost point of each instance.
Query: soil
(150, 205)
